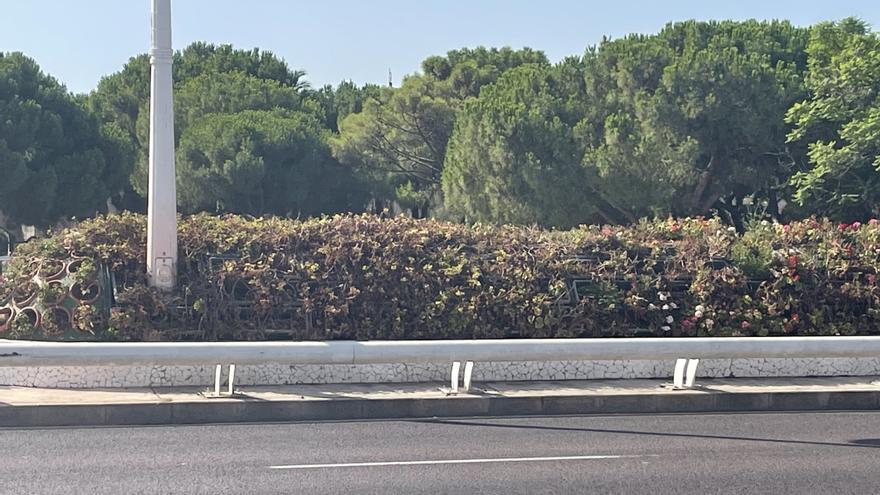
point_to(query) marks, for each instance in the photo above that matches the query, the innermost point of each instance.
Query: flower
(665, 328)
(670, 319)
(786, 228)
(744, 325)
(662, 296)
(673, 305)
(698, 314)
(700, 308)
(792, 261)
(842, 227)
(856, 225)
(873, 221)
(795, 317)
(709, 322)
(665, 307)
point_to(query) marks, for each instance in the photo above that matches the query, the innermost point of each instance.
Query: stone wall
(166, 376)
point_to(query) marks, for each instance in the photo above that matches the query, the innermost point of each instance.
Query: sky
(78, 42)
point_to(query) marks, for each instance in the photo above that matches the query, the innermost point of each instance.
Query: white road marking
(460, 461)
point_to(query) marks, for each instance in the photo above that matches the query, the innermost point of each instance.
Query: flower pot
(25, 323)
(85, 293)
(52, 269)
(6, 317)
(5, 293)
(55, 322)
(24, 294)
(53, 294)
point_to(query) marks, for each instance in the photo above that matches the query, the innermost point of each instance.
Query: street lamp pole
(162, 197)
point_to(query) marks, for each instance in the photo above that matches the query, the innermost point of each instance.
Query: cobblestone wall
(166, 376)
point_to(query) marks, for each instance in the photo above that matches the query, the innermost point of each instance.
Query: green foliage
(513, 158)
(685, 122)
(56, 160)
(261, 162)
(250, 137)
(364, 277)
(401, 135)
(840, 122)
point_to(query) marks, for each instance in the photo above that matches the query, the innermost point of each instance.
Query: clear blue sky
(79, 41)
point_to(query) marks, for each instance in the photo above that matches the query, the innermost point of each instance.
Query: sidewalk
(33, 407)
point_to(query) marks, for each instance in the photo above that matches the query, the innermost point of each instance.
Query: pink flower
(873, 221)
(745, 324)
(792, 261)
(842, 227)
(786, 228)
(856, 225)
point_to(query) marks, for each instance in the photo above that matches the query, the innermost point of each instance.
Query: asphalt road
(799, 453)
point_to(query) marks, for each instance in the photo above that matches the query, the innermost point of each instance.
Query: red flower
(792, 261)
(795, 317)
(842, 227)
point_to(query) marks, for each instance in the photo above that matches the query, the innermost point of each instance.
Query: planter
(7, 315)
(24, 294)
(52, 269)
(85, 293)
(82, 270)
(25, 323)
(53, 293)
(5, 293)
(55, 322)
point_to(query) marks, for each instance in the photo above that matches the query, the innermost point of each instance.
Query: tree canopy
(56, 159)
(840, 122)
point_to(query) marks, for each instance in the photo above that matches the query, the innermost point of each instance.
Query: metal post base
(685, 374)
(217, 393)
(456, 373)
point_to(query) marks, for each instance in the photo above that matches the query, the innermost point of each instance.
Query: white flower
(700, 308)
(651, 306)
(698, 314)
(662, 296)
(665, 328)
(665, 307)
(673, 305)
(731, 229)
(709, 322)
(670, 319)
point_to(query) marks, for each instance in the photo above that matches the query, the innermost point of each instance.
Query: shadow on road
(871, 443)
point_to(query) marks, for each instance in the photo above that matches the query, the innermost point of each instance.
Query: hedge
(367, 277)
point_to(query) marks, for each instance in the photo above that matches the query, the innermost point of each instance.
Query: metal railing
(686, 351)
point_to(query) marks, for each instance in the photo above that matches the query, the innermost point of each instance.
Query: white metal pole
(162, 197)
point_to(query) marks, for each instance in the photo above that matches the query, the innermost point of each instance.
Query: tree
(513, 158)
(400, 137)
(840, 122)
(56, 159)
(262, 162)
(691, 120)
(342, 101)
(207, 79)
(685, 122)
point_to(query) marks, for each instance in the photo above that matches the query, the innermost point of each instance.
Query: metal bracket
(217, 393)
(456, 372)
(685, 374)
